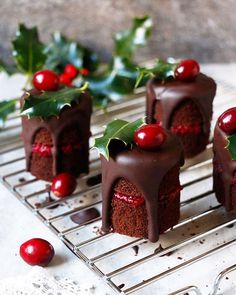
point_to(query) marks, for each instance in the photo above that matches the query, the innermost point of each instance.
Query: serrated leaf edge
(29, 116)
(106, 154)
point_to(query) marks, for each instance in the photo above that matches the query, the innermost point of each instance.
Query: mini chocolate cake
(224, 162)
(58, 143)
(184, 107)
(141, 188)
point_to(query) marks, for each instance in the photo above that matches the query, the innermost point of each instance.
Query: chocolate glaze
(85, 215)
(77, 115)
(172, 93)
(145, 169)
(223, 157)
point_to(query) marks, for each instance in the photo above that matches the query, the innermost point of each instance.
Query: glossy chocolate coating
(174, 92)
(228, 167)
(146, 170)
(76, 115)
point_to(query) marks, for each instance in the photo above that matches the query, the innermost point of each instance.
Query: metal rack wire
(103, 253)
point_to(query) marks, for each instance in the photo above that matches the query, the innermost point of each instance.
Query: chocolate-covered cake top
(171, 93)
(145, 168)
(78, 114)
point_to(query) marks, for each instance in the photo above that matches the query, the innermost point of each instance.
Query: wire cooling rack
(131, 265)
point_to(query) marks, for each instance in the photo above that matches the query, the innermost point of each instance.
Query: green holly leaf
(28, 50)
(120, 76)
(162, 70)
(113, 84)
(6, 107)
(50, 103)
(91, 60)
(128, 41)
(117, 130)
(231, 147)
(62, 51)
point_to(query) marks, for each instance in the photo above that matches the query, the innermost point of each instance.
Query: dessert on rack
(55, 127)
(180, 97)
(224, 161)
(140, 178)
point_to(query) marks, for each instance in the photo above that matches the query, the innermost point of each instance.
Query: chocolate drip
(77, 115)
(172, 93)
(223, 157)
(144, 169)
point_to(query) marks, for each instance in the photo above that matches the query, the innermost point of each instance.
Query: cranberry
(46, 80)
(63, 185)
(71, 71)
(37, 252)
(84, 72)
(227, 121)
(65, 79)
(149, 137)
(187, 70)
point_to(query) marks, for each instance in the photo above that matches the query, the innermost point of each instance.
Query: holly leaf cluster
(162, 70)
(111, 84)
(120, 76)
(120, 130)
(62, 51)
(126, 42)
(50, 103)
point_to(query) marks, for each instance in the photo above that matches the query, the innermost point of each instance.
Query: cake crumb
(180, 258)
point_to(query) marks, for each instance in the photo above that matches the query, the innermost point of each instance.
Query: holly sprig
(119, 77)
(62, 51)
(120, 130)
(50, 103)
(111, 84)
(162, 70)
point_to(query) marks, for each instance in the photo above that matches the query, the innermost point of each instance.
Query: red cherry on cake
(63, 185)
(71, 71)
(37, 252)
(150, 136)
(187, 69)
(227, 121)
(46, 80)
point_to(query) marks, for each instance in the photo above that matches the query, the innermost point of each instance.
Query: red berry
(37, 252)
(84, 72)
(71, 71)
(65, 79)
(63, 185)
(46, 80)
(227, 121)
(149, 137)
(187, 70)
